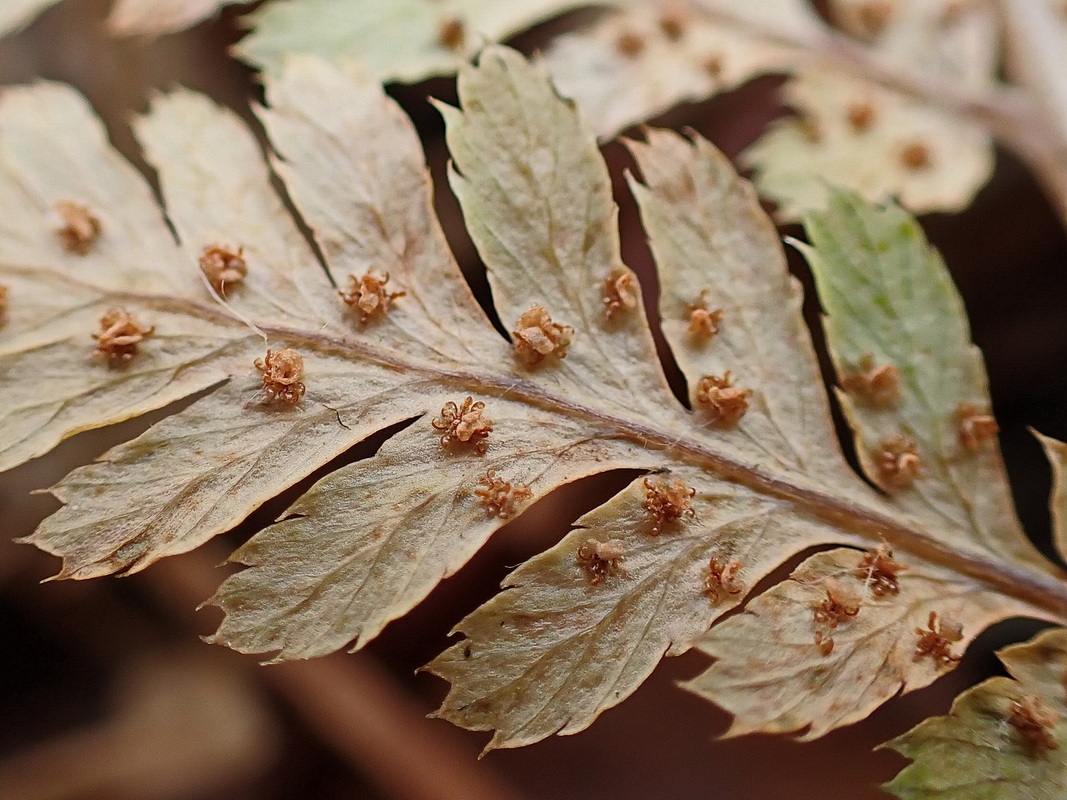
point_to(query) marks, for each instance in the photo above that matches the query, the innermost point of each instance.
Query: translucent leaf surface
(1003, 739)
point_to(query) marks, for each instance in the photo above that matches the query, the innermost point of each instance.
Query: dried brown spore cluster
(898, 463)
(537, 337)
(500, 498)
(839, 604)
(283, 373)
(723, 402)
(223, 267)
(620, 292)
(465, 424)
(879, 571)
(667, 502)
(936, 640)
(872, 385)
(120, 336)
(80, 228)
(367, 295)
(600, 560)
(974, 427)
(1034, 723)
(722, 579)
(704, 322)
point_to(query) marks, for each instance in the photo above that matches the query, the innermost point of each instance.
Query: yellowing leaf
(1003, 739)
(397, 40)
(895, 321)
(389, 334)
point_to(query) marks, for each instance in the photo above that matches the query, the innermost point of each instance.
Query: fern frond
(748, 477)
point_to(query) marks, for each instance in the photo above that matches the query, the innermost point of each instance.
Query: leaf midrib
(1045, 592)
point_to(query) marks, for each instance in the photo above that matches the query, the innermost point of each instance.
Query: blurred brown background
(108, 692)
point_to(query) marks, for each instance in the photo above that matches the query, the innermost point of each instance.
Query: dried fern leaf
(840, 649)
(644, 59)
(879, 143)
(749, 477)
(1003, 739)
(397, 40)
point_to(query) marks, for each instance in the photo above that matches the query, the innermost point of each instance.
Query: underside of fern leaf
(745, 476)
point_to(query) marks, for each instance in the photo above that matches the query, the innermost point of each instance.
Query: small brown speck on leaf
(667, 502)
(915, 156)
(630, 44)
(811, 128)
(283, 371)
(452, 34)
(861, 115)
(936, 640)
(367, 295)
(713, 66)
(722, 579)
(875, 15)
(704, 322)
(600, 559)
(879, 571)
(673, 20)
(871, 385)
(1034, 722)
(5, 294)
(120, 336)
(724, 403)
(898, 463)
(465, 424)
(974, 428)
(538, 337)
(80, 228)
(223, 267)
(499, 497)
(619, 292)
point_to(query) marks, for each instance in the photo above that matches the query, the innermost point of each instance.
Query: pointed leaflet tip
(1057, 456)
(1003, 739)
